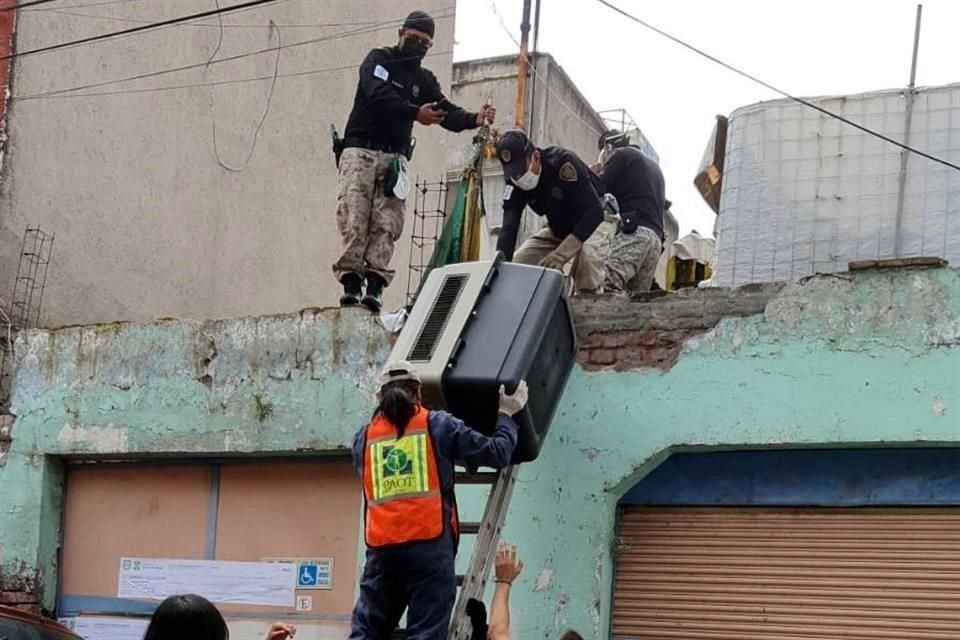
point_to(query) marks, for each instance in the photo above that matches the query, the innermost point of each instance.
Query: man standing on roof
(637, 183)
(394, 91)
(555, 183)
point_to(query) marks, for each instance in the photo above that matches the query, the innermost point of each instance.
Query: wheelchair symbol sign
(315, 573)
(307, 576)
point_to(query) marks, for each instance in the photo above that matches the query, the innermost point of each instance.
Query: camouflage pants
(633, 261)
(369, 223)
(587, 267)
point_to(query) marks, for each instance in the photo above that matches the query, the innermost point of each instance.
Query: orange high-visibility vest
(401, 485)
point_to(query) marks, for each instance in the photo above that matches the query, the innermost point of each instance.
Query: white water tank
(804, 193)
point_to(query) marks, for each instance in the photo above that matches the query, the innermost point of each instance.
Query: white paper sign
(107, 628)
(257, 583)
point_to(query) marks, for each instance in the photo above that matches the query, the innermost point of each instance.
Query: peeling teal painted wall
(836, 361)
(850, 360)
(176, 388)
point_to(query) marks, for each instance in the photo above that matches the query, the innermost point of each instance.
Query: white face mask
(528, 181)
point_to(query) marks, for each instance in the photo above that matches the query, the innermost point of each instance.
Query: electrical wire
(315, 25)
(152, 74)
(263, 118)
(216, 49)
(24, 5)
(135, 30)
(195, 85)
(781, 92)
(84, 6)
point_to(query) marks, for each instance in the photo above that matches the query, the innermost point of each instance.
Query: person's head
(416, 35)
(399, 394)
(610, 141)
(186, 617)
(520, 160)
(570, 634)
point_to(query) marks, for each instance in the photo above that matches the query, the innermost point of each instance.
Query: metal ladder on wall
(487, 531)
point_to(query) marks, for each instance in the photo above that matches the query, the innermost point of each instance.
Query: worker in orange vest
(405, 457)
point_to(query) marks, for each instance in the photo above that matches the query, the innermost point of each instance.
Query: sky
(809, 48)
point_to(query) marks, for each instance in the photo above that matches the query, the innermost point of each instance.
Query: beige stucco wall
(147, 223)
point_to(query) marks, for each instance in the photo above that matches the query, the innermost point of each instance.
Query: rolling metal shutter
(788, 574)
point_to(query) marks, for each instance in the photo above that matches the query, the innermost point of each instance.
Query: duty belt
(364, 143)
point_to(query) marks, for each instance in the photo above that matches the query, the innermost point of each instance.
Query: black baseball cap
(613, 137)
(514, 150)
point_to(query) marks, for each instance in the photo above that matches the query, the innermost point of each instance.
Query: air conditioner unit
(478, 325)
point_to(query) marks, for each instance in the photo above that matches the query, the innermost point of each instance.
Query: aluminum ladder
(473, 583)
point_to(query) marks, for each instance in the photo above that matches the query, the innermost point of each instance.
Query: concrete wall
(148, 223)
(856, 360)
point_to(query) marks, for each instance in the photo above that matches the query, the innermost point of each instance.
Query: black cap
(421, 21)
(514, 150)
(613, 137)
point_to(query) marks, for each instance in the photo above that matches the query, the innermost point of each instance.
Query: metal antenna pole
(904, 154)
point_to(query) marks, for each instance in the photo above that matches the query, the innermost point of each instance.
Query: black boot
(351, 289)
(374, 298)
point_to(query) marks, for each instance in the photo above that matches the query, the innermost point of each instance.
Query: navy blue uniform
(420, 576)
(568, 194)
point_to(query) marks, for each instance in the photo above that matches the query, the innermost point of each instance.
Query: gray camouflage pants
(369, 223)
(633, 261)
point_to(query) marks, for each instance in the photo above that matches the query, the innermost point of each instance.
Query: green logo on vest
(396, 462)
(399, 467)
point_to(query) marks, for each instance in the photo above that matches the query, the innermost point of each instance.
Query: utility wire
(24, 5)
(152, 74)
(263, 118)
(134, 30)
(783, 93)
(217, 83)
(84, 6)
(314, 25)
(216, 49)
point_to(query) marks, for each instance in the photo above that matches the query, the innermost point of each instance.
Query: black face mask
(413, 48)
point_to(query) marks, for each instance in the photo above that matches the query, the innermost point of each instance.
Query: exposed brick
(603, 356)
(648, 331)
(645, 338)
(592, 341)
(614, 340)
(659, 356)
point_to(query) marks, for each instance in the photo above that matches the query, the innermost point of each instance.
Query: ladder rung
(482, 477)
(470, 528)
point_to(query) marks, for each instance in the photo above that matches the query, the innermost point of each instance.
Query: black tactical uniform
(391, 90)
(566, 194)
(370, 210)
(637, 183)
